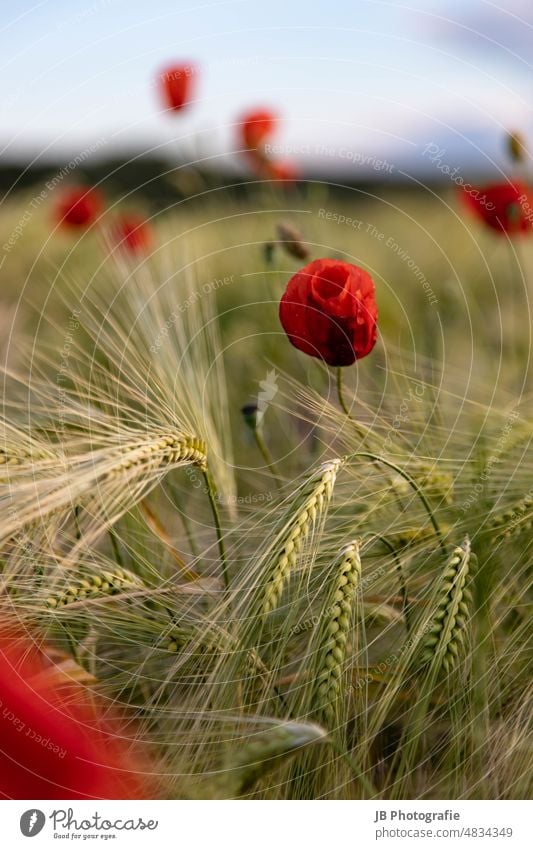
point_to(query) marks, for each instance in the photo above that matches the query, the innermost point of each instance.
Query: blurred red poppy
(329, 311)
(271, 169)
(282, 170)
(53, 743)
(256, 126)
(133, 233)
(504, 207)
(176, 83)
(79, 207)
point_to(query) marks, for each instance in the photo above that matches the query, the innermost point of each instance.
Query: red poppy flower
(176, 84)
(53, 743)
(329, 311)
(79, 207)
(504, 207)
(268, 169)
(286, 171)
(133, 233)
(257, 126)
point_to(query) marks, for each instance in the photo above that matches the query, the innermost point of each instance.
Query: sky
(357, 83)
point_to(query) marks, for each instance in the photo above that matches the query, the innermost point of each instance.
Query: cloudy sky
(352, 79)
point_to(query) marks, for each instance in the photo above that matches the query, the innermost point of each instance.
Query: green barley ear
(259, 754)
(334, 633)
(93, 584)
(19, 447)
(444, 642)
(515, 520)
(415, 535)
(318, 492)
(162, 448)
(102, 480)
(437, 483)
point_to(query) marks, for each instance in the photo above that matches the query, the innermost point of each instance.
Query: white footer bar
(267, 825)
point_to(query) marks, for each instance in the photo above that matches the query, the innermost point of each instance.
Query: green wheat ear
(514, 520)
(259, 754)
(94, 585)
(158, 448)
(319, 490)
(444, 643)
(335, 629)
(437, 484)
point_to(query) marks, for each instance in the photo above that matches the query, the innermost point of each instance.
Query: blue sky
(380, 79)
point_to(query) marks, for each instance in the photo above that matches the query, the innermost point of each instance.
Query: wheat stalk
(318, 491)
(336, 626)
(446, 633)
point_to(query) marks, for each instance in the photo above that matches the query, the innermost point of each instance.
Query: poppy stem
(212, 494)
(361, 429)
(251, 418)
(411, 481)
(340, 394)
(401, 577)
(266, 455)
(518, 279)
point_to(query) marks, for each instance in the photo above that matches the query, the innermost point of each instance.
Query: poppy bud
(268, 252)
(249, 413)
(291, 240)
(516, 147)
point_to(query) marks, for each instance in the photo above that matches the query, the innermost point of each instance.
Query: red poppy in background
(133, 233)
(272, 169)
(256, 126)
(53, 743)
(79, 207)
(504, 207)
(282, 170)
(176, 83)
(329, 311)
